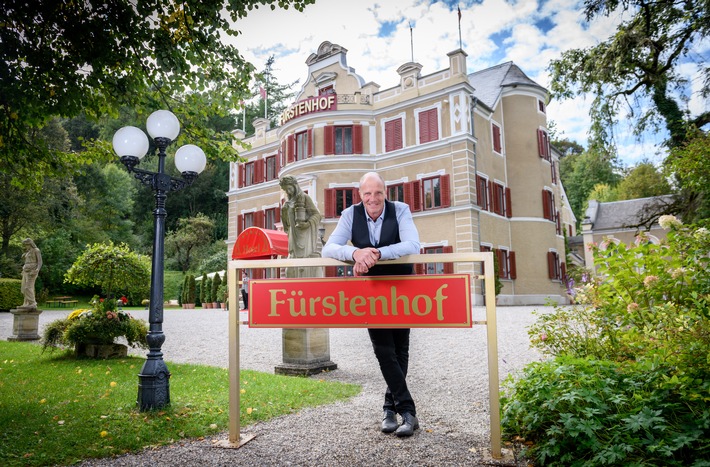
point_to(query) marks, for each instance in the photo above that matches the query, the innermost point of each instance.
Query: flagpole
(460, 43)
(411, 39)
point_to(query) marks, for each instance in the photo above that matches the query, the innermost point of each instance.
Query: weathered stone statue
(305, 351)
(25, 321)
(33, 263)
(300, 218)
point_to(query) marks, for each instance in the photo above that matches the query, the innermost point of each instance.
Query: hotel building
(469, 152)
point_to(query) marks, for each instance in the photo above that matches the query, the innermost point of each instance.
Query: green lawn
(55, 409)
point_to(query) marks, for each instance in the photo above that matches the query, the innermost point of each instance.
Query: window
(500, 200)
(548, 205)
(337, 199)
(271, 168)
(343, 139)
(248, 174)
(497, 145)
(428, 126)
(396, 192)
(301, 146)
(324, 91)
(271, 217)
(393, 135)
(482, 192)
(435, 268)
(428, 193)
(540, 106)
(554, 267)
(338, 271)
(543, 144)
(244, 221)
(506, 262)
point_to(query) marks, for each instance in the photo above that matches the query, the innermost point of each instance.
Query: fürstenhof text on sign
(372, 302)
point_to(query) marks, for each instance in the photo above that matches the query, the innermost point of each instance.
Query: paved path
(448, 378)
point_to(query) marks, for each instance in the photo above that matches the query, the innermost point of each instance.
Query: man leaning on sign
(380, 230)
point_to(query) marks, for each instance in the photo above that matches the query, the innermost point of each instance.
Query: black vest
(388, 235)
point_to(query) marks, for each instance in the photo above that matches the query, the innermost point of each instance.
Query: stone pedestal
(305, 352)
(25, 324)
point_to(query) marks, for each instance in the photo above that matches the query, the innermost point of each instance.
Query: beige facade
(468, 152)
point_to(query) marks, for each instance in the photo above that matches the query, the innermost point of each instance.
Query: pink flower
(649, 280)
(543, 336)
(632, 307)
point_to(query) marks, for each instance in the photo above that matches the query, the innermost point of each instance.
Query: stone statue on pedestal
(25, 323)
(305, 351)
(30, 270)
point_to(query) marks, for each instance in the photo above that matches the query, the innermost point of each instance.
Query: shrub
(99, 325)
(203, 289)
(216, 283)
(641, 324)
(10, 294)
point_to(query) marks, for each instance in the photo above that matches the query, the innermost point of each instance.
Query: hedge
(10, 294)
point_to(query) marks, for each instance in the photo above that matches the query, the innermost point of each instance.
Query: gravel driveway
(448, 377)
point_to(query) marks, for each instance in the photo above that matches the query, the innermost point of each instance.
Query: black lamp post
(131, 144)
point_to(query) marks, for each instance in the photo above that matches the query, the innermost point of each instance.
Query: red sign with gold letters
(368, 302)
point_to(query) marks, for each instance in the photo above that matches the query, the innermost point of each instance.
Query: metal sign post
(236, 440)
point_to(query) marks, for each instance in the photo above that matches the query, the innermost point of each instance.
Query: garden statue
(300, 218)
(25, 321)
(305, 351)
(33, 263)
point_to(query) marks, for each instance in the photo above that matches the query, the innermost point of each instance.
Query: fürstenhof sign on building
(373, 302)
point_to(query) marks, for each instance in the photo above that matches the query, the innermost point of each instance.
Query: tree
(644, 181)
(581, 173)
(216, 284)
(113, 268)
(638, 65)
(192, 233)
(61, 57)
(690, 165)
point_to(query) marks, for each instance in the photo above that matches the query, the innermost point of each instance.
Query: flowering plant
(101, 324)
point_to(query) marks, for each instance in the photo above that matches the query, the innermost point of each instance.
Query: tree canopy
(639, 65)
(62, 58)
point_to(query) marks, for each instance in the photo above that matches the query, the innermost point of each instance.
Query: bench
(69, 303)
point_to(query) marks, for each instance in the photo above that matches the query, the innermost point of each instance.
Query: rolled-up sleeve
(337, 245)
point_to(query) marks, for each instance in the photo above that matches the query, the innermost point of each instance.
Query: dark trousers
(245, 297)
(391, 348)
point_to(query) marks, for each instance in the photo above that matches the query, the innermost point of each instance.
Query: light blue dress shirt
(338, 247)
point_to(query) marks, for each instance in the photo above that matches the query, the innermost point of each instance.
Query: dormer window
(326, 90)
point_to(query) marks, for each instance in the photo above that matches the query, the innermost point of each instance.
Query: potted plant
(223, 294)
(191, 294)
(203, 291)
(93, 331)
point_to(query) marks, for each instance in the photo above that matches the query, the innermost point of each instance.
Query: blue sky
(376, 34)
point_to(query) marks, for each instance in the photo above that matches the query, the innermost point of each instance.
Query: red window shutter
(559, 226)
(330, 202)
(240, 223)
(546, 204)
(434, 124)
(331, 271)
(259, 219)
(508, 205)
(357, 139)
(393, 135)
(423, 127)
(290, 149)
(420, 268)
(540, 143)
(563, 269)
(242, 174)
(513, 270)
(412, 195)
(496, 138)
(259, 171)
(282, 154)
(448, 267)
(445, 181)
(356, 196)
(551, 264)
(309, 136)
(277, 215)
(329, 139)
